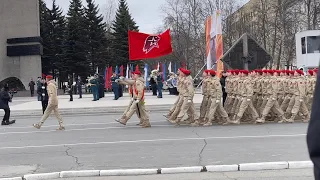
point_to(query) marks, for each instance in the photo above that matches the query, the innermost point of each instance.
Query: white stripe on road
(84, 129)
(152, 140)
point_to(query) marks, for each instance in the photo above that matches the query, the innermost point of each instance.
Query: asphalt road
(97, 142)
(298, 174)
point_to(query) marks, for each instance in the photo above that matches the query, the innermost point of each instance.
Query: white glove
(248, 100)
(43, 94)
(132, 99)
(274, 99)
(136, 101)
(301, 100)
(311, 96)
(121, 77)
(117, 80)
(217, 101)
(189, 101)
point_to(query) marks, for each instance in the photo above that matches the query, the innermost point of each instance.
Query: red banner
(145, 46)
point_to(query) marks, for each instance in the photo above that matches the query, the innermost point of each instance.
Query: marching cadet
(215, 94)
(272, 102)
(138, 85)
(281, 93)
(311, 81)
(229, 99)
(235, 90)
(257, 89)
(299, 89)
(187, 94)
(205, 99)
(174, 110)
(52, 104)
(247, 92)
(287, 83)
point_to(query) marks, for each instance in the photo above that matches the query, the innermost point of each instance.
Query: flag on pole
(164, 69)
(146, 75)
(117, 70)
(106, 78)
(121, 70)
(127, 73)
(169, 68)
(146, 46)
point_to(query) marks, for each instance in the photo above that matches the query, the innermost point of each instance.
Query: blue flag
(164, 69)
(117, 70)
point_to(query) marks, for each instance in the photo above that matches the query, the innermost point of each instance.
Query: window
(303, 45)
(313, 44)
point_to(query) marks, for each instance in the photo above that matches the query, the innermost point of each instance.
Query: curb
(93, 110)
(175, 170)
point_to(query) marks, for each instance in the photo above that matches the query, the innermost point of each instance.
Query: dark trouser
(44, 105)
(116, 92)
(175, 91)
(71, 96)
(170, 91)
(80, 92)
(120, 91)
(154, 89)
(159, 91)
(32, 92)
(224, 97)
(95, 93)
(6, 116)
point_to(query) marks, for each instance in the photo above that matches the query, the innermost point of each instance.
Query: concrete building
(20, 41)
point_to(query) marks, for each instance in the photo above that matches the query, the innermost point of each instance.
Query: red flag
(121, 70)
(106, 80)
(109, 76)
(144, 46)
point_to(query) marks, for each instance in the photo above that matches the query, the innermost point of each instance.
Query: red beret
(310, 72)
(300, 72)
(265, 71)
(212, 72)
(206, 71)
(315, 70)
(185, 71)
(270, 71)
(245, 72)
(49, 77)
(236, 71)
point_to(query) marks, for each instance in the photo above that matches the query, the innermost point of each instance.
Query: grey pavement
(296, 174)
(97, 142)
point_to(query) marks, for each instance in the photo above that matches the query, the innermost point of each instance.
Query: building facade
(20, 41)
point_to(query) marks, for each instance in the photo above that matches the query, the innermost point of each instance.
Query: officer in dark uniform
(70, 88)
(94, 88)
(43, 93)
(115, 86)
(120, 89)
(79, 87)
(101, 87)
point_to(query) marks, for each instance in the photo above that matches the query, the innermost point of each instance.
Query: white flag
(127, 72)
(158, 66)
(169, 67)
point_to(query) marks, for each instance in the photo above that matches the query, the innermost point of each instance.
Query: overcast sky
(147, 13)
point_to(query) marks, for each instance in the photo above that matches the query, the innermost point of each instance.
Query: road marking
(84, 129)
(151, 140)
(67, 125)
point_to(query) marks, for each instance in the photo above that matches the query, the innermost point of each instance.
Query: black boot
(4, 123)
(7, 122)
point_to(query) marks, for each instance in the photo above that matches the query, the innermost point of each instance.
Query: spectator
(5, 98)
(31, 86)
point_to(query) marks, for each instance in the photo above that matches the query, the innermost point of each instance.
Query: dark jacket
(42, 91)
(5, 98)
(313, 135)
(159, 81)
(223, 83)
